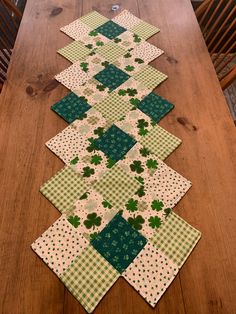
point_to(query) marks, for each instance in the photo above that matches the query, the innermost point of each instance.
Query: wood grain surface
(207, 157)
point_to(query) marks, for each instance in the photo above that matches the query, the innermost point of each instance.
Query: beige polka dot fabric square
(76, 29)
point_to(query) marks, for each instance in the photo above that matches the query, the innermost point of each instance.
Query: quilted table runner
(115, 193)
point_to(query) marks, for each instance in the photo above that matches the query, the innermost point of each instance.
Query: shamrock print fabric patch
(112, 77)
(64, 188)
(155, 106)
(128, 40)
(114, 143)
(89, 277)
(59, 245)
(176, 239)
(116, 186)
(74, 51)
(110, 29)
(94, 40)
(151, 273)
(119, 243)
(71, 107)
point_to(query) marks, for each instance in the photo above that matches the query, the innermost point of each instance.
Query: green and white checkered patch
(176, 238)
(64, 188)
(89, 277)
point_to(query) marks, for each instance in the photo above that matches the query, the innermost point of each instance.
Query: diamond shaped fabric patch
(176, 238)
(145, 30)
(110, 29)
(93, 19)
(89, 278)
(94, 40)
(119, 243)
(160, 142)
(155, 106)
(71, 107)
(114, 143)
(59, 245)
(111, 51)
(126, 19)
(150, 77)
(116, 186)
(74, 51)
(112, 77)
(151, 273)
(76, 29)
(63, 189)
(146, 52)
(128, 40)
(113, 107)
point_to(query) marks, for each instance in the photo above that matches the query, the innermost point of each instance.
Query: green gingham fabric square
(144, 30)
(119, 243)
(113, 107)
(111, 51)
(94, 19)
(114, 143)
(150, 77)
(89, 278)
(74, 51)
(160, 142)
(176, 238)
(155, 106)
(117, 186)
(110, 29)
(112, 77)
(71, 107)
(64, 188)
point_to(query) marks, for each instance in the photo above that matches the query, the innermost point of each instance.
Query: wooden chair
(10, 18)
(217, 20)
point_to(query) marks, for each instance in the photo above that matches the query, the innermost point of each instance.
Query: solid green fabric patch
(119, 243)
(176, 238)
(64, 188)
(71, 107)
(160, 142)
(113, 107)
(114, 143)
(155, 106)
(89, 277)
(150, 77)
(111, 51)
(110, 29)
(111, 77)
(94, 19)
(74, 51)
(116, 186)
(145, 30)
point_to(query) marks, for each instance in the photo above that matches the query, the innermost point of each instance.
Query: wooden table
(207, 282)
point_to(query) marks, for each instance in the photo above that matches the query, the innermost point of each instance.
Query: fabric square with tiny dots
(151, 273)
(71, 107)
(76, 29)
(89, 278)
(150, 77)
(119, 243)
(126, 19)
(114, 143)
(110, 29)
(64, 188)
(74, 51)
(93, 19)
(155, 106)
(176, 239)
(111, 51)
(117, 186)
(145, 30)
(160, 142)
(59, 245)
(113, 107)
(112, 77)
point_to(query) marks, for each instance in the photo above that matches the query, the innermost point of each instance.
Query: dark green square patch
(112, 77)
(119, 243)
(71, 107)
(114, 143)
(155, 106)
(110, 29)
